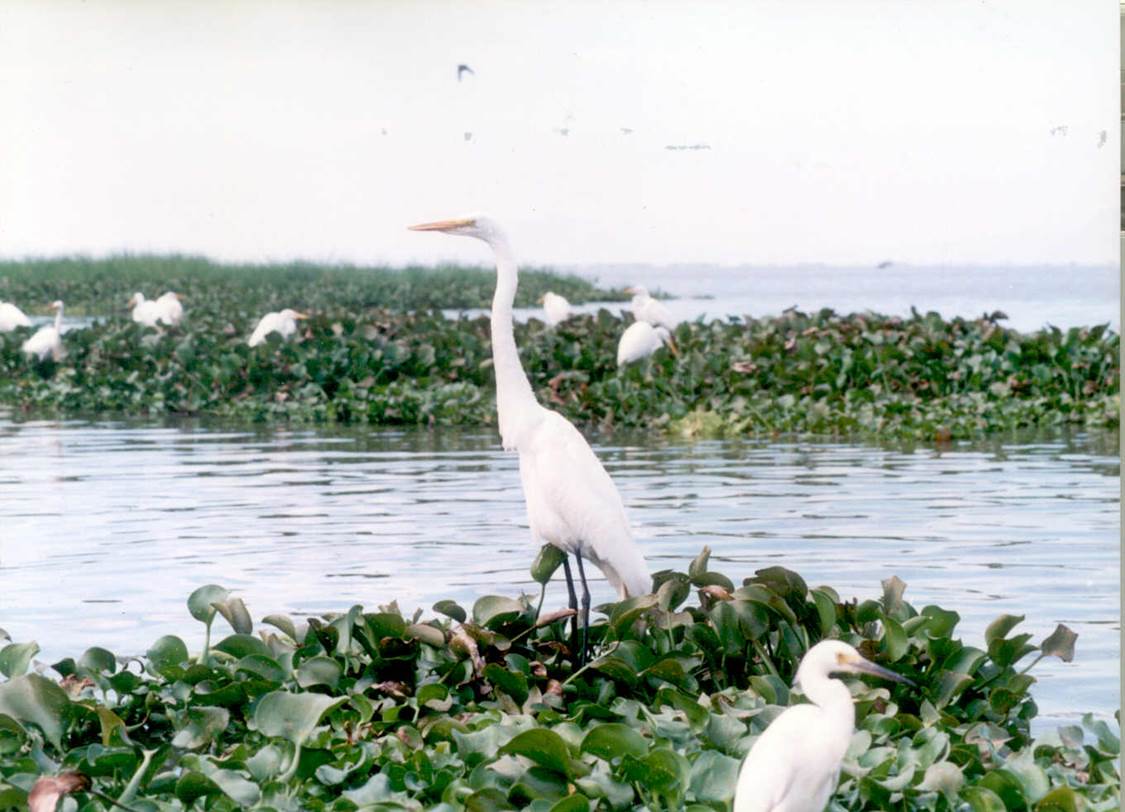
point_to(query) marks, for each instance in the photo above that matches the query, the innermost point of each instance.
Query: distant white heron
(12, 317)
(145, 311)
(571, 501)
(171, 310)
(283, 322)
(646, 308)
(641, 340)
(795, 764)
(47, 340)
(556, 308)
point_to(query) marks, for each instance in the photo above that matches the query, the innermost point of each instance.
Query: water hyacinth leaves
(486, 710)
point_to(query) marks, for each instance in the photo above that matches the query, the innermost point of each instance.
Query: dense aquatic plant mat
(818, 374)
(481, 708)
(101, 287)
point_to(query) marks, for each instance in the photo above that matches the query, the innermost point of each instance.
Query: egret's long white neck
(515, 401)
(834, 698)
(58, 320)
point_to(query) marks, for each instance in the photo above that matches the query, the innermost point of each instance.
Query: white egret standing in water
(12, 317)
(646, 308)
(145, 311)
(571, 501)
(641, 340)
(47, 340)
(795, 764)
(556, 308)
(283, 322)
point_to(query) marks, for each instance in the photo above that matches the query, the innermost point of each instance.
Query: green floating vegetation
(101, 287)
(822, 373)
(480, 708)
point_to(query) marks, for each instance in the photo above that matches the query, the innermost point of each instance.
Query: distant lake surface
(106, 527)
(1031, 297)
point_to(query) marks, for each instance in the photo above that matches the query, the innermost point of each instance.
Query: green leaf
(1060, 799)
(512, 683)
(982, 799)
(714, 776)
(547, 561)
(319, 671)
(943, 777)
(200, 602)
(97, 661)
(33, 699)
(203, 724)
(491, 611)
(234, 612)
(999, 628)
(1060, 643)
(893, 589)
(572, 803)
(15, 658)
(698, 566)
(292, 716)
(545, 748)
(243, 645)
(451, 609)
(166, 654)
(614, 740)
(425, 633)
(895, 642)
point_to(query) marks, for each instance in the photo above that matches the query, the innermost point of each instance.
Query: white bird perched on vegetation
(571, 501)
(641, 340)
(12, 317)
(47, 340)
(795, 764)
(646, 308)
(556, 308)
(171, 311)
(145, 311)
(284, 322)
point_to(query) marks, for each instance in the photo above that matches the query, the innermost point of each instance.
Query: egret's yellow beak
(631, 290)
(542, 298)
(179, 296)
(300, 315)
(442, 225)
(672, 348)
(862, 666)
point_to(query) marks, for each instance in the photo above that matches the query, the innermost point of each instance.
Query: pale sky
(842, 133)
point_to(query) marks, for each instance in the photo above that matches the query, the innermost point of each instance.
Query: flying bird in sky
(462, 70)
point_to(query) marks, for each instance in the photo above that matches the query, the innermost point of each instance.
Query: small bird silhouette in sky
(462, 70)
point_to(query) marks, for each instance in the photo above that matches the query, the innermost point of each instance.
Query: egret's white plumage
(640, 340)
(795, 764)
(12, 317)
(646, 308)
(283, 322)
(145, 311)
(556, 309)
(47, 340)
(171, 311)
(571, 501)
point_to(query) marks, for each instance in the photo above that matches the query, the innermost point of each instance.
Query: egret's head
(136, 299)
(290, 313)
(476, 225)
(837, 657)
(638, 291)
(57, 304)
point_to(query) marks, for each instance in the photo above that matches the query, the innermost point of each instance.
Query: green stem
(568, 680)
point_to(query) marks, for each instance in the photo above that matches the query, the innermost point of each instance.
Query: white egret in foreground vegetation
(145, 311)
(556, 308)
(12, 317)
(646, 308)
(571, 501)
(283, 322)
(641, 340)
(47, 340)
(795, 764)
(171, 311)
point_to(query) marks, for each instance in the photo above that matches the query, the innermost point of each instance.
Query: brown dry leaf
(47, 790)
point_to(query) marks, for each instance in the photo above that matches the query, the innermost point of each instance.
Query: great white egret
(145, 311)
(795, 764)
(12, 317)
(47, 340)
(571, 501)
(171, 311)
(556, 308)
(641, 340)
(283, 322)
(646, 308)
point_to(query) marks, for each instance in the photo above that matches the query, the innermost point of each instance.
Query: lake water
(105, 528)
(1031, 297)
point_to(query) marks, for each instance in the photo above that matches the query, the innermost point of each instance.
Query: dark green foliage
(379, 710)
(819, 373)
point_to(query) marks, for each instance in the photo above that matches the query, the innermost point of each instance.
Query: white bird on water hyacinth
(145, 311)
(283, 323)
(556, 309)
(794, 766)
(47, 340)
(571, 501)
(646, 308)
(171, 311)
(12, 317)
(641, 340)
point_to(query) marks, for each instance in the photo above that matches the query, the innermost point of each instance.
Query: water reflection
(105, 528)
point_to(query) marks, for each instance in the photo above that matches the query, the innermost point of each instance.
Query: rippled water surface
(105, 528)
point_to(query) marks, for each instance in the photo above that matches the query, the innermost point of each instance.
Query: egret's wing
(788, 767)
(266, 325)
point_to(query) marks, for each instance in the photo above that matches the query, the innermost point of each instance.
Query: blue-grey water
(105, 528)
(1031, 297)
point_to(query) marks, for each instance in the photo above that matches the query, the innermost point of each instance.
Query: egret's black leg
(573, 599)
(585, 609)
